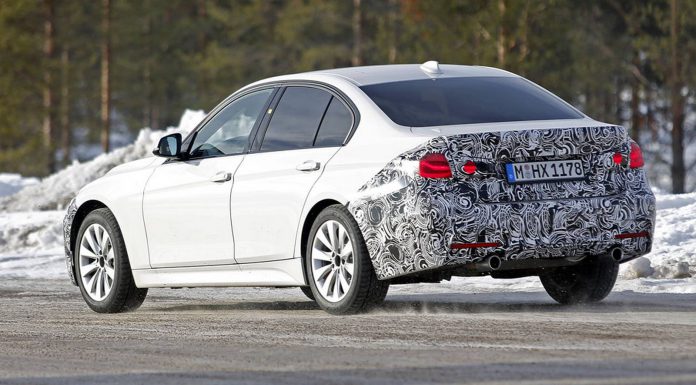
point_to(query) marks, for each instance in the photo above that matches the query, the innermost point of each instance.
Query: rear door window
(335, 126)
(296, 119)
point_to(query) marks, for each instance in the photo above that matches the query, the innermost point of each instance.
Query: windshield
(448, 101)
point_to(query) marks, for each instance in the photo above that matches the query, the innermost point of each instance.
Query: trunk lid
(593, 147)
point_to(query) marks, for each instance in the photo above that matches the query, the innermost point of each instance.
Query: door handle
(308, 165)
(221, 177)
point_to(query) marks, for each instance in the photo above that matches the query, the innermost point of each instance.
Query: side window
(335, 126)
(296, 119)
(227, 133)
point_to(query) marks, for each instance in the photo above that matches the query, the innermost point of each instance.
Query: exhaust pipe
(490, 264)
(616, 254)
(494, 262)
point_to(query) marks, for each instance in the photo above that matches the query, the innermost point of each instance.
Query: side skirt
(287, 272)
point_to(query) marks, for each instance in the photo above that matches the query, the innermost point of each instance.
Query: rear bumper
(412, 229)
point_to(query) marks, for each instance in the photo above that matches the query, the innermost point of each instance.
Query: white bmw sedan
(343, 182)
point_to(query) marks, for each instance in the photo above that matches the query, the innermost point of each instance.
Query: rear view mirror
(169, 146)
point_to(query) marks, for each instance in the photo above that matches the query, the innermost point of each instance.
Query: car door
(272, 183)
(186, 205)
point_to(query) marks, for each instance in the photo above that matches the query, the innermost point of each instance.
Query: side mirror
(169, 146)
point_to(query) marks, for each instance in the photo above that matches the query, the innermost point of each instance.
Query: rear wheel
(341, 276)
(103, 271)
(589, 281)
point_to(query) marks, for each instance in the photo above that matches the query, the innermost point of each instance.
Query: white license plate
(544, 171)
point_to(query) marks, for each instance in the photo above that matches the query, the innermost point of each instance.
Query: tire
(364, 289)
(98, 258)
(590, 281)
(306, 290)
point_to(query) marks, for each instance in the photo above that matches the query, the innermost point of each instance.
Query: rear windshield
(447, 101)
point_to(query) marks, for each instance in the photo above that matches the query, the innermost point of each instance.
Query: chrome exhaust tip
(616, 254)
(494, 262)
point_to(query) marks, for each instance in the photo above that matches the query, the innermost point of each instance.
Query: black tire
(589, 281)
(124, 295)
(365, 291)
(306, 290)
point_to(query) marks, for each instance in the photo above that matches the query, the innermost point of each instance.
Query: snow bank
(674, 247)
(12, 183)
(56, 191)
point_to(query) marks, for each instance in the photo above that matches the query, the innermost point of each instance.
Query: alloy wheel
(333, 265)
(96, 262)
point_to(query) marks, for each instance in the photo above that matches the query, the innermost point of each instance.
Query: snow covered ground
(31, 213)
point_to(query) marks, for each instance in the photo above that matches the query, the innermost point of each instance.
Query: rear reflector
(434, 166)
(642, 234)
(474, 245)
(469, 167)
(618, 158)
(636, 156)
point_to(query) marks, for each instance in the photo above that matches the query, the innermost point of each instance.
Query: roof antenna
(431, 67)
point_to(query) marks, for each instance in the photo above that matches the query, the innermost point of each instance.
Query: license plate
(544, 171)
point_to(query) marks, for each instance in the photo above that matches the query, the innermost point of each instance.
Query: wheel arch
(307, 226)
(82, 212)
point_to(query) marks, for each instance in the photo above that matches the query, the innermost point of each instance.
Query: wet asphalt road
(420, 336)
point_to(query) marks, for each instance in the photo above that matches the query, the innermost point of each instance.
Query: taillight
(635, 157)
(469, 167)
(434, 166)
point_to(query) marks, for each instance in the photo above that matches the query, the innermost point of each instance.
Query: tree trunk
(357, 34)
(65, 131)
(677, 102)
(501, 43)
(48, 52)
(106, 75)
(393, 30)
(147, 71)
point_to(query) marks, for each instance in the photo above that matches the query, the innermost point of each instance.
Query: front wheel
(338, 265)
(103, 271)
(589, 281)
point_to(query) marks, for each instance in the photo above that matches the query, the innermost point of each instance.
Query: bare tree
(105, 74)
(677, 101)
(357, 33)
(501, 44)
(65, 130)
(48, 52)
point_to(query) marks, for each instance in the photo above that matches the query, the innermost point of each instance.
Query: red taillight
(636, 156)
(618, 158)
(434, 166)
(469, 167)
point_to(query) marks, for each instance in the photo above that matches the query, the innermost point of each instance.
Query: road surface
(422, 335)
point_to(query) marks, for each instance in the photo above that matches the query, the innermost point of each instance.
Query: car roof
(367, 75)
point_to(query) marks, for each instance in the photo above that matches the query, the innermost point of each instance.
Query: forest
(81, 77)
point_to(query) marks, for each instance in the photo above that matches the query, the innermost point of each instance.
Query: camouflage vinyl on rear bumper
(409, 222)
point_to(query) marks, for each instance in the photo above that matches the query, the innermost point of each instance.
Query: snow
(12, 183)
(55, 192)
(31, 239)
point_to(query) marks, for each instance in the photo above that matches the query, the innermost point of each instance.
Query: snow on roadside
(12, 183)
(31, 244)
(56, 191)
(674, 247)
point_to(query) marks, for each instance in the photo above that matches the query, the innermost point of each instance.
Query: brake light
(618, 158)
(434, 166)
(469, 167)
(636, 156)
